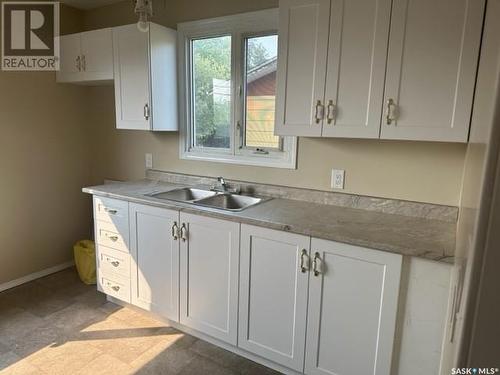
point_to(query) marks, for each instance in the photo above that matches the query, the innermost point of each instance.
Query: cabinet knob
(175, 231)
(317, 264)
(115, 288)
(113, 238)
(330, 112)
(184, 232)
(391, 110)
(78, 63)
(115, 263)
(319, 112)
(304, 261)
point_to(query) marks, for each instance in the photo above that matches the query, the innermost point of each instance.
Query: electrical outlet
(338, 178)
(149, 161)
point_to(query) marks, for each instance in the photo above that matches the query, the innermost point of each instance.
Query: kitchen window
(228, 91)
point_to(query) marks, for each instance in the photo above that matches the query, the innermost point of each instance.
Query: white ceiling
(89, 4)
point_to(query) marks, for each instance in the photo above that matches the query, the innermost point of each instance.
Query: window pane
(212, 91)
(260, 80)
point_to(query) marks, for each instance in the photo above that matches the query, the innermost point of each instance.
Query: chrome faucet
(222, 183)
(223, 187)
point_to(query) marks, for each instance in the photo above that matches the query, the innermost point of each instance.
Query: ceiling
(88, 4)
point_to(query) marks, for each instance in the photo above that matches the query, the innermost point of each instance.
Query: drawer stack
(111, 225)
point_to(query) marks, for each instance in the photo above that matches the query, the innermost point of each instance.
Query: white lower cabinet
(312, 306)
(209, 263)
(353, 298)
(155, 260)
(111, 233)
(273, 295)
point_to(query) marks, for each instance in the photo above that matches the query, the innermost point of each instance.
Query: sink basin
(229, 202)
(207, 198)
(184, 194)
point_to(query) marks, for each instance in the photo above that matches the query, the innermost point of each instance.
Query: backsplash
(391, 206)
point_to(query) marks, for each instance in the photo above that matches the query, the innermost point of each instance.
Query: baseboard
(35, 275)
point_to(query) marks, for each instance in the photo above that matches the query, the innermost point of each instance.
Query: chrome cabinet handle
(146, 111)
(304, 261)
(78, 63)
(115, 263)
(320, 112)
(84, 63)
(390, 111)
(115, 288)
(183, 232)
(330, 111)
(175, 231)
(110, 211)
(316, 268)
(113, 238)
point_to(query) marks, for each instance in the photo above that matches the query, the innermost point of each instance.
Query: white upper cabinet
(361, 69)
(154, 247)
(70, 55)
(353, 301)
(86, 58)
(431, 69)
(357, 52)
(132, 86)
(145, 78)
(303, 38)
(97, 54)
(209, 264)
(274, 277)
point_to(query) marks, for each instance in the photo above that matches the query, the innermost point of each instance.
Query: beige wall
(44, 162)
(419, 171)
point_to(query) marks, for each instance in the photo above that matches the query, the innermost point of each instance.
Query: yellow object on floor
(85, 261)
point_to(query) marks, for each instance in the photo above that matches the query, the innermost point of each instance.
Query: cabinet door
(131, 73)
(357, 53)
(97, 55)
(352, 309)
(431, 71)
(303, 42)
(155, 260)
(69, 69)
(209, 276)
(273, 295)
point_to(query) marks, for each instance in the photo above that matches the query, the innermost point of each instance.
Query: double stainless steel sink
(207, 198)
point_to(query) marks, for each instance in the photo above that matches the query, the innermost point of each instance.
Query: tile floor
(58, 325)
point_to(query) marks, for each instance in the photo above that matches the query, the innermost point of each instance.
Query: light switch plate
(149, 161)
(338, 179)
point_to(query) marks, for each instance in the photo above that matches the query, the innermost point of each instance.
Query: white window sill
(258, 161)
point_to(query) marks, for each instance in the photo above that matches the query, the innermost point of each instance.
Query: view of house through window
(260, 90)
(211, 65)
(229, 93)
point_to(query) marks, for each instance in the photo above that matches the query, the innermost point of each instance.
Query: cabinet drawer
(111, 211)
(112, 261)
(114, 286)
(108, 235)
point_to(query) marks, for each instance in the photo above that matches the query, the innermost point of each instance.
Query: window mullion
(237, 79)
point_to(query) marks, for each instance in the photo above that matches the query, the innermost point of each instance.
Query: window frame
(243, 148)
(239, 27)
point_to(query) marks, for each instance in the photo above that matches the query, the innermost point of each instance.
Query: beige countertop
(420, 237)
